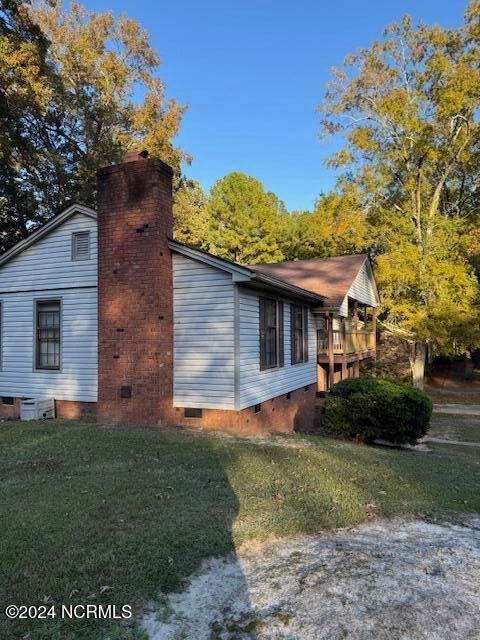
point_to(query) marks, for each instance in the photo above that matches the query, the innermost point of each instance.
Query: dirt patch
(445, 390)
(387, 580)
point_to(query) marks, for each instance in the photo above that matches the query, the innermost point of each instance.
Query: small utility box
(37, 408)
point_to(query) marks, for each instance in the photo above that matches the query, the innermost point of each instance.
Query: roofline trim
(47, 228)
(372, 279)
(239, 273)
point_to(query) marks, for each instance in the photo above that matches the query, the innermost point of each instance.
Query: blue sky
(252, 73)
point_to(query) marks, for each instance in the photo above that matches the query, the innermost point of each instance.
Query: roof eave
(242, 274)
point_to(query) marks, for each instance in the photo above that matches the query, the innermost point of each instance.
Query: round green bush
(368, 409)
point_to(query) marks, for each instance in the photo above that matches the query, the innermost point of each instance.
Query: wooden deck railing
(347, 343)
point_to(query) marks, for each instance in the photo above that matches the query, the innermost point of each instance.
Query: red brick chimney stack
(135, 292)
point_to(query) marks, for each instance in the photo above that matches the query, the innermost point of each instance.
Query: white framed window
(48, 330)
(81, 245)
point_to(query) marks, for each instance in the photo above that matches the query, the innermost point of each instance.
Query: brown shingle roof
(331, 277)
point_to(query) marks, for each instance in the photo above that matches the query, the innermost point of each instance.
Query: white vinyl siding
(256, 386)
(203, 335)
(45, 271)
(77, 377)
(48, 263)
(362, 290)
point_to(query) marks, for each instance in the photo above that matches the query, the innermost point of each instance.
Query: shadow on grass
(92, 515)
(122, 515)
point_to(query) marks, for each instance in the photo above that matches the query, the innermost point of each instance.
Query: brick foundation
(70, 410)
(10, 410)
(278, 415)
(64, 409)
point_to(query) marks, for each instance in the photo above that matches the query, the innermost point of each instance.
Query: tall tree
(408, 109)
(93, 94)
(191, 214)
(244, 219)
(25, 89)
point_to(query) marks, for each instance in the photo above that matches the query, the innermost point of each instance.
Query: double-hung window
(271, 333)
(48, 344)
(299, 333)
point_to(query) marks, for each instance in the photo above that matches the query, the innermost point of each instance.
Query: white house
(108, 315)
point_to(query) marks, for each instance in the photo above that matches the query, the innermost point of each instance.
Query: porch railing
(348, 342)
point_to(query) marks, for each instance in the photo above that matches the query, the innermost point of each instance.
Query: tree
(244, 219)
(25, 90)
(337, 226)
(92, 95)
(191, 214)
(408, 108)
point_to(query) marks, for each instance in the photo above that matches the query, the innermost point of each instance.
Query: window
(48, 335)
(7, 400)
(299, 333)
(271, 333)
(81, 245)
(257, 408)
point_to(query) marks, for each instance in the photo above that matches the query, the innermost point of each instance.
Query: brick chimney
(135, 292)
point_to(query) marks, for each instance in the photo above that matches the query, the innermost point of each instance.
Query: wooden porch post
(356, 368)
(374, 329)
(344, 369)
(355, 316)
(331, 358)
(355, 327)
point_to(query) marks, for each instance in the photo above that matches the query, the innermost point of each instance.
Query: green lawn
(136, 510)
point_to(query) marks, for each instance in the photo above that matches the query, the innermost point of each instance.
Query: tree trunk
(418, 352)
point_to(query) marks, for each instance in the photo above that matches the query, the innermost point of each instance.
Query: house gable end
(363, 289)
(46, 229)
(48, 263)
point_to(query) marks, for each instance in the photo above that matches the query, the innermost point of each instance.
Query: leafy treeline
(240, 221)
(408, 111)
(79, 88)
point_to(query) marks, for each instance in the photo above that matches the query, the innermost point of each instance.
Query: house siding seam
(257, 386)
(204, 335)
(40, 272)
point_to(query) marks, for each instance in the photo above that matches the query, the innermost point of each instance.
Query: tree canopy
(243, 224)
(78, 89)
(407, 107)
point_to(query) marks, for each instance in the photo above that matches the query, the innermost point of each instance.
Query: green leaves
(77, 89)
(408, 108)
(244, 219)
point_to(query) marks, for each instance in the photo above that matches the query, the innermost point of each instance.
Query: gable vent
(81, 245)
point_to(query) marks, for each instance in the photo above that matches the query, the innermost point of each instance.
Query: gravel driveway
(381, 581)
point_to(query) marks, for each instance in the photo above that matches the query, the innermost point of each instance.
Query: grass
(137, 510)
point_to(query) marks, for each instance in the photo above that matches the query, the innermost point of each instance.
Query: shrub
(377, 408)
